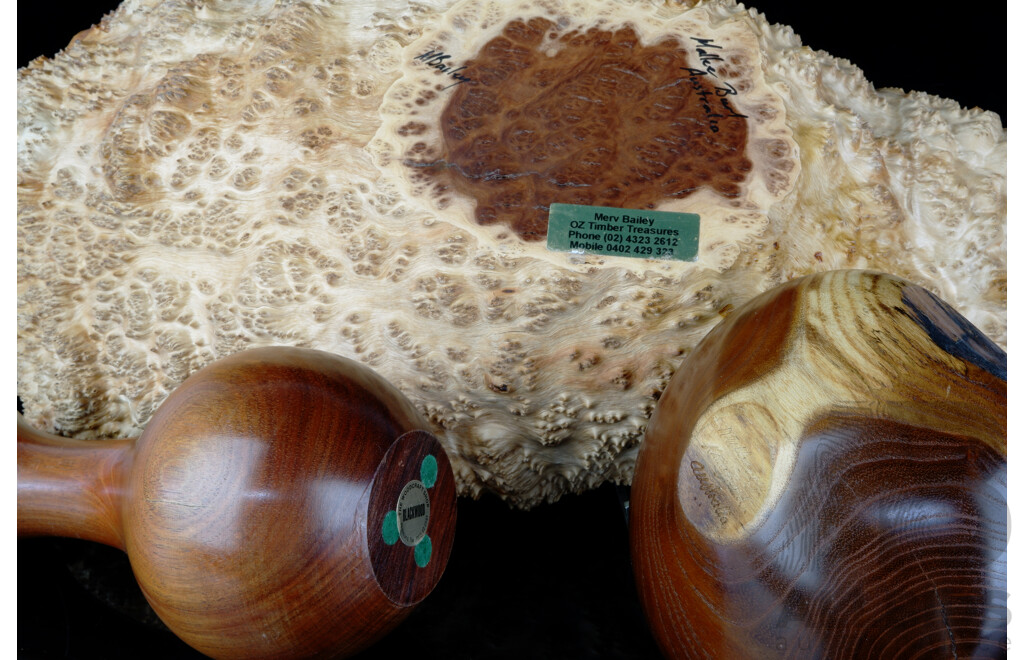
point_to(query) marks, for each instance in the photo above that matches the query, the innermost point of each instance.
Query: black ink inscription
(722, 91)
(438, 59)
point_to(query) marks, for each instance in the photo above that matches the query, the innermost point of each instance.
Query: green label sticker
(641, 234)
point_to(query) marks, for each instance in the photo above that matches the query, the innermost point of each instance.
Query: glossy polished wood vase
(825, 477)
(281, 503)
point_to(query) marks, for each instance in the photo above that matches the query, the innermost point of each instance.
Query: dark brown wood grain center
(593, 117)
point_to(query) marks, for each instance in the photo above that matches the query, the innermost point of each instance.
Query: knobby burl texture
(199, 178)
(590, 117)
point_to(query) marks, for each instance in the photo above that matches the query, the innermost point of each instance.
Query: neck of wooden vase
(71, 488)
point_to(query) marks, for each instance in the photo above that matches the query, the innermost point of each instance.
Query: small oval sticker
(413, 512)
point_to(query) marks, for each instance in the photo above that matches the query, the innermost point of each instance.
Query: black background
(555, 582)
(906, 44)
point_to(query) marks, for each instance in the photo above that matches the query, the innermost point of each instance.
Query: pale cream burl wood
(225, 174)
(255, 505)
(826, 477)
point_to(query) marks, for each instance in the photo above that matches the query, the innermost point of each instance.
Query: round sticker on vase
(413, 512)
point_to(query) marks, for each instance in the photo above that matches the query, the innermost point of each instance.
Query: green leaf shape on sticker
(422, 552)
(428, 470)
(389, 530)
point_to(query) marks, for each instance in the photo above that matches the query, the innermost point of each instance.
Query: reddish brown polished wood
(245, 506)
(825, 477)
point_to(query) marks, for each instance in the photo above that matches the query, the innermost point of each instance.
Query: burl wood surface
(608, 122)
(825, 477)
(243, 506)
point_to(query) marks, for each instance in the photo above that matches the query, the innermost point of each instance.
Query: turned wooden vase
(825, 477)
(281, 503)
